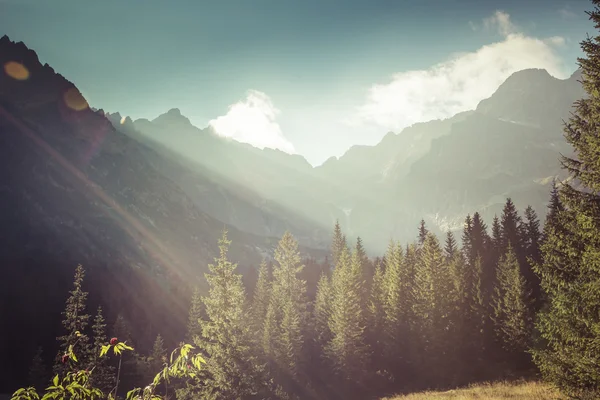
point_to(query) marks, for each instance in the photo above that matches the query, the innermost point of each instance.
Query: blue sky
(312, 77)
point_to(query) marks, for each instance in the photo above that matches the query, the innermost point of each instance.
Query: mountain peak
(172, 117)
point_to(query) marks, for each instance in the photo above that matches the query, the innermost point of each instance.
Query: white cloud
(567, 13)
(501, 22)
(253, 121)
(459, 83)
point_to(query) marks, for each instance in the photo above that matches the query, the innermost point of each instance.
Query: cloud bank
(459, 83)
(253, 121)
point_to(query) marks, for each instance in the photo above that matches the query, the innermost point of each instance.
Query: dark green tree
(322, 312)
(450, 248)
(75, 321)
(512, 316)
(531, 247)
(260, 301)
(347, 350)
(289, 305)
(422, 233)
(338, 243)
(569, 273)
(194, 325)
(231, 368)
(104, 376)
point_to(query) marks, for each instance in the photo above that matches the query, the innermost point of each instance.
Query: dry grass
(491, 391)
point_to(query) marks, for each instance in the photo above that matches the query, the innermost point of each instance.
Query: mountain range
(141, 203)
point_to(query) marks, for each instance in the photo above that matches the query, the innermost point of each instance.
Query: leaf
(104, 350)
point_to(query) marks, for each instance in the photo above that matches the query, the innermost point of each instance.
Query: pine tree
(366, 267)
(158, 356)
(347, 350)
(338, 243)
(433, 305)
(290, 306)
(376, 314)
(194, 326)
(554, 206)
(38, 373)
(450, 248)
(532, 240)
(397, 307)
(422, 233)
(104, 374)
(74, 322)
(571, 250)
(512, 231)
(496, 240)
(322, 311)
(260, 300)
(231, 368)
(466, 240)
(511, 314)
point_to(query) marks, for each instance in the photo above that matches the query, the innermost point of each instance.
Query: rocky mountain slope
(442, 170)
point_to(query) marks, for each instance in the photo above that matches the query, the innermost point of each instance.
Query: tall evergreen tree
(158, 356)
(231, 367)
(260, 300)
(450, 248)
(512, 231)
(338, 243)
(322, 311)
(290, 306)
(433, 305)
(531, 246)
(398, 301)
(104, 374)
(511, 313)
(366, 266)
(554, 206)
(194, 326)
(571, 250)
(466, 240)
(38, 373)
(422, 233)
(347, 350)
(74, 322)
(376, 314)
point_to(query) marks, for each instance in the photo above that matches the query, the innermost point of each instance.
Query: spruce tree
(511, 313)
(338, 243)
(397, 307)
(231, 368)
(290, 307)
(422, 233)
(531, 246)
(450, 248)
(74, 322)
(433, 305)
(260, 300)
(158, 356)
(38, 373)
(194, 325)
(571, 257)
(104, 374)
(376, 314)
(322, 311)
(347, 350)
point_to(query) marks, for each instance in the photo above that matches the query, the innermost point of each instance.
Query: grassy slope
(491, 391)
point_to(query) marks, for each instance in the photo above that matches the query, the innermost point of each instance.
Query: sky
(311, 77)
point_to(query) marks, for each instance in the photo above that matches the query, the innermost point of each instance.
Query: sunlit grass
(491, 391)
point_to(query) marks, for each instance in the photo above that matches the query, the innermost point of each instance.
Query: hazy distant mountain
(438, 170)
(283, 188)
(509, 146)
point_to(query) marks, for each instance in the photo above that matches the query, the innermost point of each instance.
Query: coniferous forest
(518, 296)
